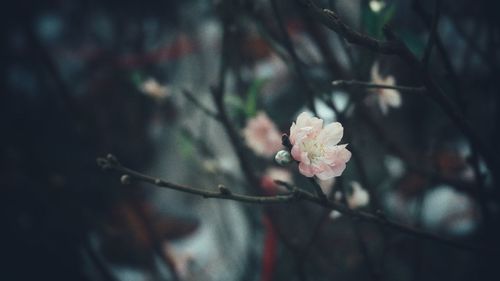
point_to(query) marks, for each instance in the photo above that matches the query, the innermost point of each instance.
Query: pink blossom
(316, 147)
(385, 97)
(262, 136)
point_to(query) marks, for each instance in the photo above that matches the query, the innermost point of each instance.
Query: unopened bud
(283, 157)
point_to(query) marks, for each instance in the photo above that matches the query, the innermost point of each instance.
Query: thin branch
(102, 267)
(287, 42)
(433, 35)
(128, 175)
(332, 20)
(189, 96)
(457, 89)
(218, 93)
(355, 83)
(363, 248)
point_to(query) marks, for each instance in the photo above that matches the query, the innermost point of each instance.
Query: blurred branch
(287, 42)
(433, 35)
(331, 20)
(361, 242)
(457, 89)
(355, 83)
(101, 265)
(218, 93)
(394, 46)
(110, 163)
(189, 96)
(129, 176)
(456, 83)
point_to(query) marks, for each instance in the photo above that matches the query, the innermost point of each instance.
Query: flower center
(314, 149)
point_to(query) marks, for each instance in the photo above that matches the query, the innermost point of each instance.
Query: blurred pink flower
(272, 174)
(385, 97)
(316, 147)
(262, 136)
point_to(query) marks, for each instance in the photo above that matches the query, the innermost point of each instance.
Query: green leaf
(374, 22)
(136, 78)
(414, 42)
(387, 14)
(234, 102)
(252, 97)
(186, 146)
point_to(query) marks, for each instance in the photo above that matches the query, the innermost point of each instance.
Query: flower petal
(375, 74)
(305, 120)
(331, 134)
(389, 81)
(306, 169)
(392, 98)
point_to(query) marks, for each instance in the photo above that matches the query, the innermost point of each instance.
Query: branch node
(224, 190)
(103, 163)
(108, 163)
(380, 214)
(157, 181)
(285, 184)
(126, 179)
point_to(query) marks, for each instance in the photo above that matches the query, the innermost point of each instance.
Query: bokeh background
(81, 79)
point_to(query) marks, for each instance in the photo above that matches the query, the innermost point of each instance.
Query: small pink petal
(306, 169)
(331, 134)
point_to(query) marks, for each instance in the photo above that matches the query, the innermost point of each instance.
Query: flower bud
(283, 157)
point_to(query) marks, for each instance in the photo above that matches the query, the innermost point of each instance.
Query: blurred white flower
(153, 89)
(385, 97)
(394, 166)
(338, 196)
(340, 99)
(210, 166)
(323, 111)
(335, 214)
(445, 209)
(376, 5)
(262, 136)
(359, 197)
(182, 261)
(270, 68)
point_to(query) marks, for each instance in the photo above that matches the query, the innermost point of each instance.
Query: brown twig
(128, 175)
